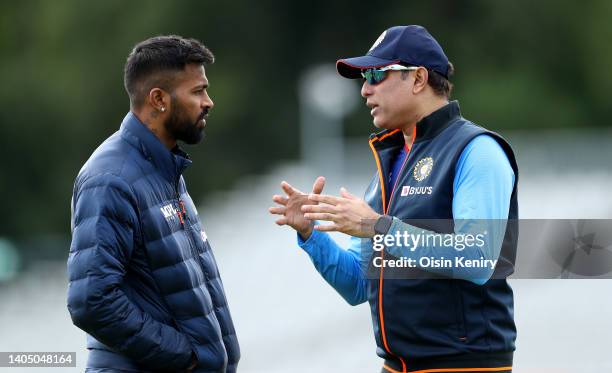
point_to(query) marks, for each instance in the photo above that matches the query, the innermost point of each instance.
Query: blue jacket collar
(170, 163)
(436, 122)
(427, 128)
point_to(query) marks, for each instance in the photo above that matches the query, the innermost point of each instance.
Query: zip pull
(181, 212)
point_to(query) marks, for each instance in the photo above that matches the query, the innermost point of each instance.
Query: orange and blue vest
(420, 322)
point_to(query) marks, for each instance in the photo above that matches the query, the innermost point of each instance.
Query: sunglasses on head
(374, 76)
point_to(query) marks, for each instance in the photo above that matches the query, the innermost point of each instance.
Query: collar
(430, 126)
(170, 163)
(426, 129)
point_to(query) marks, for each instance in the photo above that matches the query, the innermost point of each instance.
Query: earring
(163, 109)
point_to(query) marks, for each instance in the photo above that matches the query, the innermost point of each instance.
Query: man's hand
(291, 207)
(349, 214)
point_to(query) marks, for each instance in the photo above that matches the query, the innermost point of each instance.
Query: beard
(183, 128)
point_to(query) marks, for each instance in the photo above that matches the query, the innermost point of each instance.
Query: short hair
(441, 84)
(153, 62)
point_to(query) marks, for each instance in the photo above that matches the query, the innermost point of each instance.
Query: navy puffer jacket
(144, 283)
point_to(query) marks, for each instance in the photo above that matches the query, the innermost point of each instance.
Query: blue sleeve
(104, 230)
(484, 180)
(340, 268)
(482, 188)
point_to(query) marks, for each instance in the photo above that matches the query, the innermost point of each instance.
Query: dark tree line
(519, 64)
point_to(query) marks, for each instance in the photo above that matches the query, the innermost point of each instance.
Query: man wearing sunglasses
(435, 171)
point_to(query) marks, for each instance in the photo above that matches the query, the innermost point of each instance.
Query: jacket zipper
(192, 246)
(182, 214)
(386, 207)
(397, 179)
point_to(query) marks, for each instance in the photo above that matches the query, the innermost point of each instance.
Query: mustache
(204, 114)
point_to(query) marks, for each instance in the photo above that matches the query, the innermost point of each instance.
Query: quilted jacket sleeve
(104, 226)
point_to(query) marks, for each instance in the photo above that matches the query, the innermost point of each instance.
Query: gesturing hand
(291, 207)
(349, 214)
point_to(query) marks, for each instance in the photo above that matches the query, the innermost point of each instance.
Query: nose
(207, 103)
(366, 89)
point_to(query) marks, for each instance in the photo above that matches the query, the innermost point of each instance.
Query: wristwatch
(383, 224)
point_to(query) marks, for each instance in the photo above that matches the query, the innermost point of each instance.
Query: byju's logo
(408, 190)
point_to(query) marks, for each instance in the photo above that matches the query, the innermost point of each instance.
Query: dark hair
(153, 62)
(440, 84)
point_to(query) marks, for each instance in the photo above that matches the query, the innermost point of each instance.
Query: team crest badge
(379, 40)
(423, 168)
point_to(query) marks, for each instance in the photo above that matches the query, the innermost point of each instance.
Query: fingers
(319, 208)
(318, 185)
(277, 210)
(327, 228)
(282, 221)
(280, 199)
(345, 193)
(320, 216)
(287, 188)
(330, 200)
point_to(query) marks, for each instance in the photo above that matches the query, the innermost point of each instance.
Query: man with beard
(144, 284)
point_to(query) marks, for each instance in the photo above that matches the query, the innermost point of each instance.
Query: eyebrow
(201, 86)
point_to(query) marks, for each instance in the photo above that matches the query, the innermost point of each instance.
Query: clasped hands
(347, 213)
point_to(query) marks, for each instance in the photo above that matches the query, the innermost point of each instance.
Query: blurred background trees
(519, 64)
(537, 71)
